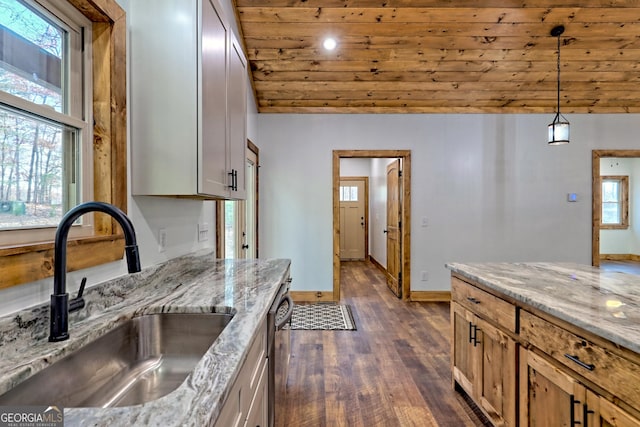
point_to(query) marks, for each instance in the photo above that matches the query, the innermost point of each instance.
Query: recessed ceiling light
(329, 43)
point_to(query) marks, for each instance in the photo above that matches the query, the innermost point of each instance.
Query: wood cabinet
(564, 376)
(246, 403)
(550, 395)
(189, 93)
(603, 413)
(484, 356)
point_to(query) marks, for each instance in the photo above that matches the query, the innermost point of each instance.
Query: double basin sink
(139, 361)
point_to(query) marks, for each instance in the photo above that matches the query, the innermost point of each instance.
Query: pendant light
(559, 128)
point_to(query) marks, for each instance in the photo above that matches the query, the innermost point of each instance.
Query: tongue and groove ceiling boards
(442, 56)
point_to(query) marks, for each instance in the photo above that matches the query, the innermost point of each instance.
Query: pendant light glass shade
(559, 128)
(559, 131)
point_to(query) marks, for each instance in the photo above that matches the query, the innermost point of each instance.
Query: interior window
(44, 120)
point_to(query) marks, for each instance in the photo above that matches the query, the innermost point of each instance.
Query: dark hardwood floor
(395, 370)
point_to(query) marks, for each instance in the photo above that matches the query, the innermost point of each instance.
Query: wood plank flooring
(395, 370)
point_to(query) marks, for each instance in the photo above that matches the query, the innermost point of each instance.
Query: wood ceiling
(442, 56)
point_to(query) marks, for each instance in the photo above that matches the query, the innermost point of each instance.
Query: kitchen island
(547, 343)
(196, 283)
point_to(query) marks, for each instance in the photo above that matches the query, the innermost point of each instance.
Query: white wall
(355, 167)
(625, 241)
(489, 185)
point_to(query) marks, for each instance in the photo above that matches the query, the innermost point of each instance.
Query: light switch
(203, 232)
(425, 221)
(572, 197)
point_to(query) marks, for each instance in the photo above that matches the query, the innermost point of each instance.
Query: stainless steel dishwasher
(279, 346)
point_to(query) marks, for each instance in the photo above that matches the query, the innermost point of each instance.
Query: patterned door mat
(322, 316)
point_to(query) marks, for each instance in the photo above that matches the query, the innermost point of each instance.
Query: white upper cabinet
(188, 103)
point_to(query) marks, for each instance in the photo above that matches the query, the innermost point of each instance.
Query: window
(99, 160)
(348, 193)
(45, 138)
(615, 202)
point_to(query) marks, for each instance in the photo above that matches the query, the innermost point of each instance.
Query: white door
(353, 221)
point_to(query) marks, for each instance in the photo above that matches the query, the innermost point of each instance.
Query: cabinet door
(496, 382)
(212, 158)
(465, 361)
(548, 396)
(258, 414)
(237, 109)
(599, 412)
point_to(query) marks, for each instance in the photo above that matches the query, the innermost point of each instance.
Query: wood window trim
(28, 263)
(624, 203)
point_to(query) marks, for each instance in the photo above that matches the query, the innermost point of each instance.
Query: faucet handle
(78, 302)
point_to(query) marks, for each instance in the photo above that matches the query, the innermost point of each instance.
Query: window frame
(27, 263)
(76, 114)
(624, 202)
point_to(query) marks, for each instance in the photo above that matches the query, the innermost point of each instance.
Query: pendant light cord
(558, 75)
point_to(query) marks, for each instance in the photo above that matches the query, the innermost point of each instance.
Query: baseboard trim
(380, 267)
(431, 296)
(620, 257)
(312, 296)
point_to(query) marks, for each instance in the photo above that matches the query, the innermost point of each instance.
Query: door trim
(596, 196)
(405, 261)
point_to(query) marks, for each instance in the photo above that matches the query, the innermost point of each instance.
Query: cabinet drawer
(615, 374)
(484, 304)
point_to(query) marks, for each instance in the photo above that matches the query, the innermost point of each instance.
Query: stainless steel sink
(139, 361)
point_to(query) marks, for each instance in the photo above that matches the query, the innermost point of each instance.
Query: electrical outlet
(162, 239)
(424, 276)
(203, 232)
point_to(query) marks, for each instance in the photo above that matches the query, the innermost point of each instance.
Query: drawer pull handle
(580, 362)
(473, 300)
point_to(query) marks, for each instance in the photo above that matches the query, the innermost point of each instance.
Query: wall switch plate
(203, 232)
(162, 239)
(572, 197)
(425, 221)
(424, 276)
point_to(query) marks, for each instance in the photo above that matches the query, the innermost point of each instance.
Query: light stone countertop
(190, 284)
(605, 303)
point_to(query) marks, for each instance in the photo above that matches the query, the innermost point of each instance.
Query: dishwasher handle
(286, 298)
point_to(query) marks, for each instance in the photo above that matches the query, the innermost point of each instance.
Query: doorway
(237, 220)
(404, 249)
(597, 205)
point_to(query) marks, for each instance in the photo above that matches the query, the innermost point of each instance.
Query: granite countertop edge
(578, 294)
(193, 283)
